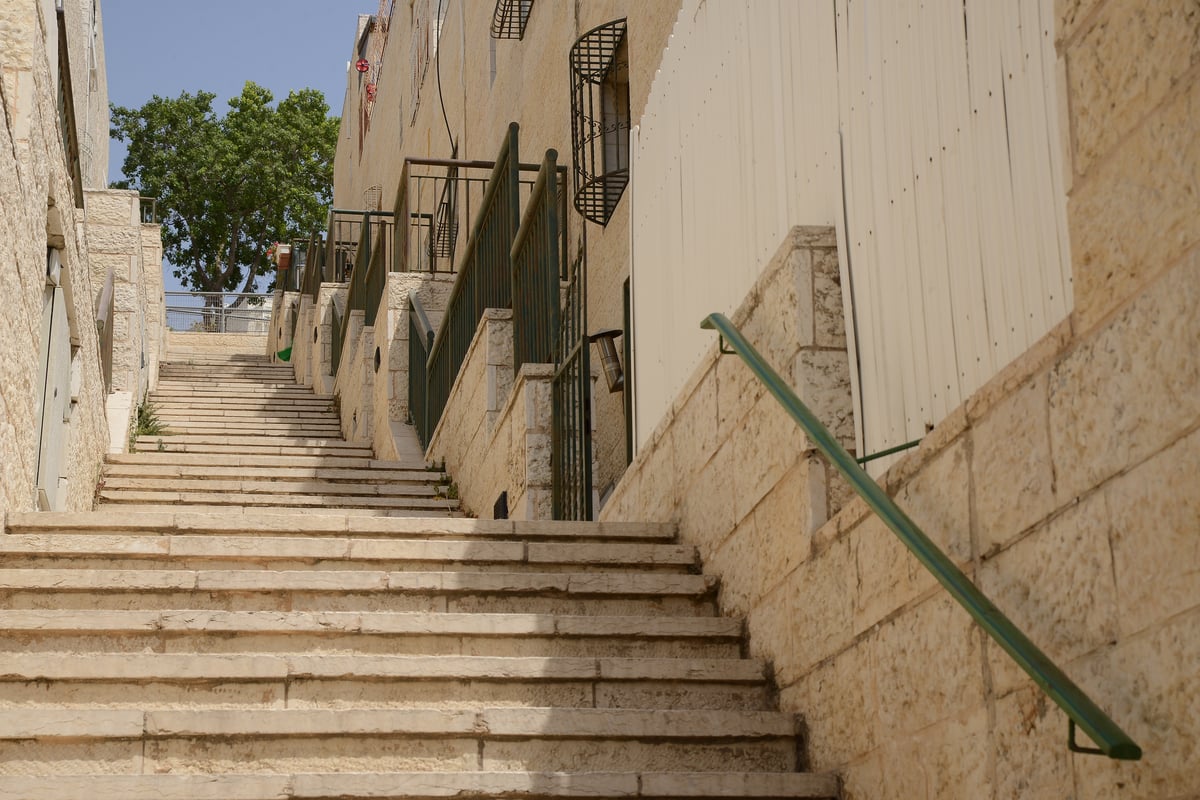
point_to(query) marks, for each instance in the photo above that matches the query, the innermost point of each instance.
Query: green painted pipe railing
(1082, 712)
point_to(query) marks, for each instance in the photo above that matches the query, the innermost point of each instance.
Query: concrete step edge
(124, 581)
(50, 546)
(709, 725)
(306, 523)
(424, 786)
(403, 623)
(245, 667)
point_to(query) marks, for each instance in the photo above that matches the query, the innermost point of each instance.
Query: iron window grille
(600, 119)
(510, 18)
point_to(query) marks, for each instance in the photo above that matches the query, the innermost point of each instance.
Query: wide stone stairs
(214, 642)
(241, 433)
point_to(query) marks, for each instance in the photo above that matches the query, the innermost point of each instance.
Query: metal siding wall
(737, 144)
(956, 205)
(946, 116)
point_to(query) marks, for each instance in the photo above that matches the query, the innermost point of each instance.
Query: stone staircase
(214, 642)
(241, 433)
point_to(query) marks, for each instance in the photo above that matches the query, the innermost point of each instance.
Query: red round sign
(362, 65)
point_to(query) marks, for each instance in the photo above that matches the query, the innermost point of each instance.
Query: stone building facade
(53, 173)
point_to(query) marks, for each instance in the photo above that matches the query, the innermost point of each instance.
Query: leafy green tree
(228, 187)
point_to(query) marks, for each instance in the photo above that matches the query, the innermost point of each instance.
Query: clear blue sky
(166, 47)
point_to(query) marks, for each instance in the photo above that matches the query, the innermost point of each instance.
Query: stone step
(231, 367)
(296, 681)
(262, 472)
(190, 551)
(261, 445)
(272, 428)
(227, 375)
(603, 593)
(280, 390)
(267, 497)
(272, 522)
(291, 523)
(342, 632)
(254, 485)
(168, 460)
(335, 511)
(220, 403)
(286, 414)
(333, 443)
(467, 785)
(230, 741)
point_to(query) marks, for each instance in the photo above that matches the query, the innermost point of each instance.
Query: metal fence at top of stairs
(218, 312)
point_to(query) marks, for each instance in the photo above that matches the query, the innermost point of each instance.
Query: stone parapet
(494, 435)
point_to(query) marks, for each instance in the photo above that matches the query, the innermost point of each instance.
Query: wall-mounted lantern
(610, 362)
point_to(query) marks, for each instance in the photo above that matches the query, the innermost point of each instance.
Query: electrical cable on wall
(437, 66)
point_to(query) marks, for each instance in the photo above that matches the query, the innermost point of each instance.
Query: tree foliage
(228, 187)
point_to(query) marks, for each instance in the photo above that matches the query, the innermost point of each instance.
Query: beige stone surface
(1058, 587)
(1135, 214)
(1012, 473)
(1123, 66)
(1155, 513)
(911, 693)
(1131, 389)
(1148, 682)
(1027, 740)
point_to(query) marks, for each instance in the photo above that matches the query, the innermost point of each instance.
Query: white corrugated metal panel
(945, 116)
(726, 161)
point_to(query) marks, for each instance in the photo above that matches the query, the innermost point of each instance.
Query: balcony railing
(439, 197)
(420, 342)
(218, 312)
(484, 277)
(537, 257)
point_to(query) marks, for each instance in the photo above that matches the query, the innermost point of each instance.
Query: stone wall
(391, 345)
(312, 348)
(37, 212)
(494, 435)
(727, 463)
(117, 241)
(1066, 488)
(182, 344)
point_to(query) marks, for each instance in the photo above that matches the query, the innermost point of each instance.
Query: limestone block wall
(727, 463)
(494, 435)
(118, 241)
(182, 344)
(390, 400)
(37, 213)
(354, 383)
(312, 351)
(154, 309)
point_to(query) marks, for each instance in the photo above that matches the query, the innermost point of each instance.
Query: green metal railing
(1080, 709)
(368, 275)
(335, 353)
(571, 403)
(484, 274)
(420, 342)
(537, 264)
(314, 267)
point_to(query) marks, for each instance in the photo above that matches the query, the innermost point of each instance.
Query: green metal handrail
(1113, 742)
